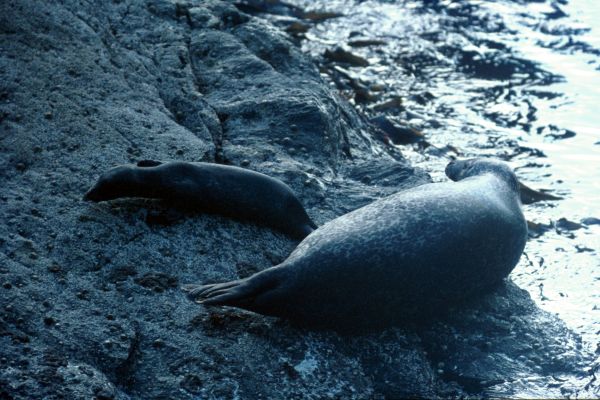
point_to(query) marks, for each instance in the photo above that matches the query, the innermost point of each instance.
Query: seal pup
(403, 257)
(221, 189)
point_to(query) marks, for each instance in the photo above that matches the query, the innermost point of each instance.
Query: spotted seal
(400, 258)
(231, 191)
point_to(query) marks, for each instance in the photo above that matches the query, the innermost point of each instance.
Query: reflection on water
(518, 80)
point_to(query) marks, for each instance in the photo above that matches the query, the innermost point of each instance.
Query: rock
(366, 42)
(391, 131)
(157, 281)
(319, 16)
(297, 28)
(198, 81)
(563, 224)
(395, 103)
(475, 344)
(555, 132)
(536, 229)
(343, 56)
(590, 221)
(192, 383)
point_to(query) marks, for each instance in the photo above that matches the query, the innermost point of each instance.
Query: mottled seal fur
(231, 191)
(400, 258)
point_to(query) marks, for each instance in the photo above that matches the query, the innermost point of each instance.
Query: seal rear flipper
(529, 195)
(197, 292)
(241, 293)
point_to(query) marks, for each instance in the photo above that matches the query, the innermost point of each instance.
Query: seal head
(458, 170)
(116, 182)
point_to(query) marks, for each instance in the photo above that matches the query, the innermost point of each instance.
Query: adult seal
(400, 258)
(231, 191)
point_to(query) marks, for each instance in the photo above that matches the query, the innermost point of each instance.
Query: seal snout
(91, 195)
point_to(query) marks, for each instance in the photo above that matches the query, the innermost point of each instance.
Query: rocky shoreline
(90, 300)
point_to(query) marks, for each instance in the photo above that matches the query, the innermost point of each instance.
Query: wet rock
(364, 95)
(297, 28)
(590, 221)
(269, 6)
(486, 347)
(536, 229)
(584, 249)
(366, 42)
(318, 16)
(395, 103)
(395, 133)
(555, 132)
(282, 8)
(564, 224)
(343, 56)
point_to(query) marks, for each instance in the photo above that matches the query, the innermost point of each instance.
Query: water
(518, 80)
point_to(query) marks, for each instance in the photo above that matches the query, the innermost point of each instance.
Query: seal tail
(241, 293)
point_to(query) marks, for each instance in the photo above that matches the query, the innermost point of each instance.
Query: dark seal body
(231, 191)
(401, 258)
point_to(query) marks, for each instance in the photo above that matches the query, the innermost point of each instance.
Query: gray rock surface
(90, 304)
